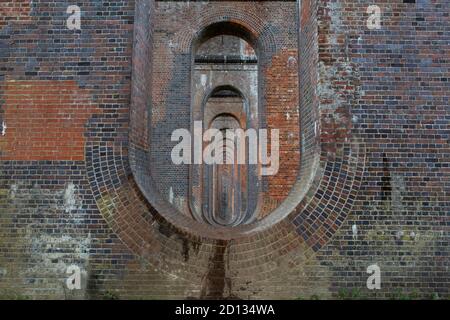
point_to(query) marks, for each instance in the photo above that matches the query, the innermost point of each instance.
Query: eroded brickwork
(365, 180)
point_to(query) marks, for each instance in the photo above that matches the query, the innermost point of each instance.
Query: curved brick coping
(253, 30)
(126, 196)
(241, 24)
(165, 245)
(310, 175)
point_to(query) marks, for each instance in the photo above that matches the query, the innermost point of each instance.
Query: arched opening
(224, 95)
(225, 28)
(172, 190)
(226, 183)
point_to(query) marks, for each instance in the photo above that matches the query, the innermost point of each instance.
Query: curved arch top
(223, 20)
(152, 227)
(242, 24)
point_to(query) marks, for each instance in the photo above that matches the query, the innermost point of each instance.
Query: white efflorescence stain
(74, 20)
(354, 231)
(399, 234)
(4, 127)
(171, 195)
(203, 79)
(71, 202)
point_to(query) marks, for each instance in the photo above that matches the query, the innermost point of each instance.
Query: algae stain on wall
(41, 235)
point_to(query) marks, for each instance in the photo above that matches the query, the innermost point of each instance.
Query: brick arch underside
(330, 176)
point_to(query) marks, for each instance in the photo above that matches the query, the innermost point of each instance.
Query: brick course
(45, 120)
(83, 109)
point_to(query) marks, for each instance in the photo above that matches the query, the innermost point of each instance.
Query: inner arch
(225, 97)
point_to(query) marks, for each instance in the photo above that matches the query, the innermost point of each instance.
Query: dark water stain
(185, 249)
(169, 231)
(165, 230)
(215, 283)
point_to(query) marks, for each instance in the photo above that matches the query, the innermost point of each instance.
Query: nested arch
(226, 183)
(224, 97)
(242, 24)
(151, 228)
(230, 93)
(226, 28)
(255, 32)
(301, 211)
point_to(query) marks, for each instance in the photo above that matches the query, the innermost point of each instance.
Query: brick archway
(314, 210)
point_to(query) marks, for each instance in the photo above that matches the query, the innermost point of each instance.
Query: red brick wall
(14, 11)
(278, 81)
(283, 114)
(46, 120)
(374, 123)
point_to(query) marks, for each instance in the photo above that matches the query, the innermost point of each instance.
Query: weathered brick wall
(14, 11)
(76, 186)
(38, 128)
(171, 104)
